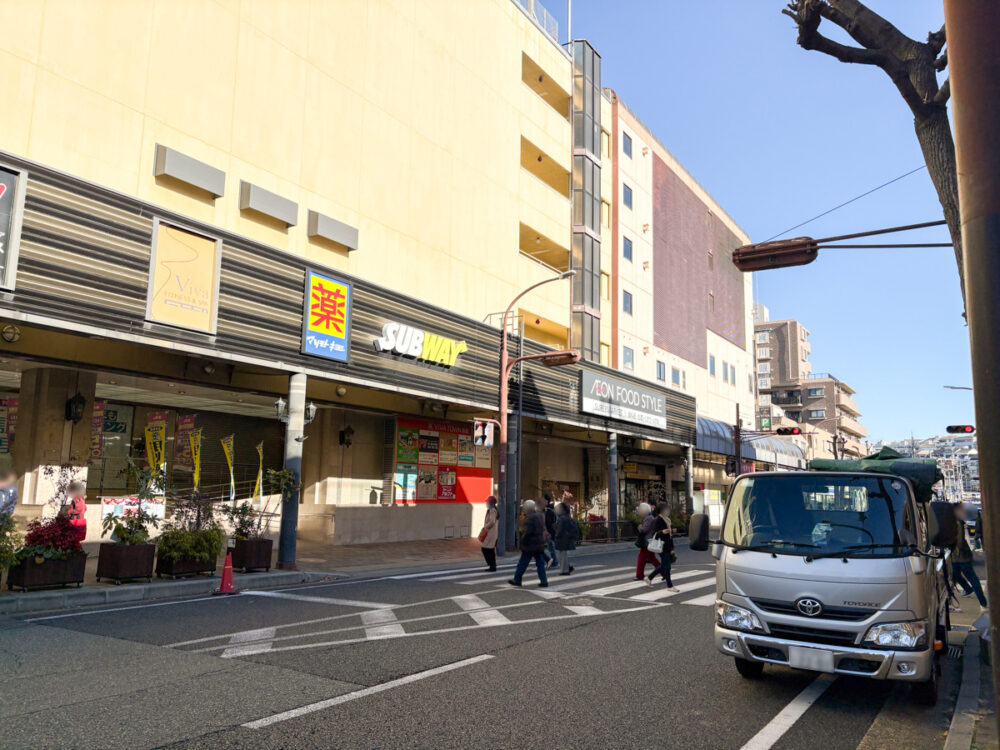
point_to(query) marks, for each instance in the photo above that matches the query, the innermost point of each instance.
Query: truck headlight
(897, 635)
(737, 618)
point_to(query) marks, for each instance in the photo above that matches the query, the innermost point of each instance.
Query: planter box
(183, 567)
(120, 562)
(31, 575)
(252, 554)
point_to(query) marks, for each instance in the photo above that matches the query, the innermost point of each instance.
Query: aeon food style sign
(619, 399)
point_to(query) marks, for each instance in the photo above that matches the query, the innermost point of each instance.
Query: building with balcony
(813, 401)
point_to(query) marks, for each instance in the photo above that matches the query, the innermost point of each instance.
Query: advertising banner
(182, 443)
(326, 319)
(183, 279)
(258, 488)
(127, 506)
(9, 181)
(228, 449)
(97, 434)
(436, 461)
(194, 438)
(156, 440)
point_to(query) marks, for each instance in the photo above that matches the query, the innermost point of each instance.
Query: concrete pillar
(44, 437)
(293, 463)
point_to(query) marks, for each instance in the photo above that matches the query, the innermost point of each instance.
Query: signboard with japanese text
(436, 462)
(127, 506)
(618, 399)
(326, 317)
(97, 434)
(11, 200)
(183, 278)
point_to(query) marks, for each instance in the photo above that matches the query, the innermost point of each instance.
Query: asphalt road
(442, 659)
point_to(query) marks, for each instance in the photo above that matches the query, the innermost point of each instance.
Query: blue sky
(777, 135)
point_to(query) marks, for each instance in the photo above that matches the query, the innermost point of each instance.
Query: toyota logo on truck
(809, 607)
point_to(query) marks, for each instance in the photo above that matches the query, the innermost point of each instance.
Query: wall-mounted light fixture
(75, 407)
(281, 411)
(347, 436)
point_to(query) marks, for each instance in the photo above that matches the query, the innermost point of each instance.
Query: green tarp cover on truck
(922, 472)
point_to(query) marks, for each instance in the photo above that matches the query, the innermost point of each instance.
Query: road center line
(347, 697)
(775, 729)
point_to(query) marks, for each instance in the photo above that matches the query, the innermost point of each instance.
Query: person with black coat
(566, 535)
(550, 527)
(532, 544)
(663, 532)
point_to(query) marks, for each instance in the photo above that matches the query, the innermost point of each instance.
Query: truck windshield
(853, 516)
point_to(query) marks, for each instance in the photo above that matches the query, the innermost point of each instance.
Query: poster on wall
(11, 420)
(183, 427)
(429, 442)
(127, 506)
(466, 452)
(436, 463)
(406, 483)
(427, 482)
(116, 442)
(484, 456)
(448, 452)
(447, 480)
(97, 434)
(406, 445)
(4, 440)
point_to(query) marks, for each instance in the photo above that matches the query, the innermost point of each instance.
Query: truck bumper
(877, 664)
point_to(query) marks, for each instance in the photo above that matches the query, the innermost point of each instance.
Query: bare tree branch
(943, 93)
(942, 62)
(936, 40)
(807, 16)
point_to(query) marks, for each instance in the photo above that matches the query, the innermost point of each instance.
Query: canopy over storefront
(716, 436)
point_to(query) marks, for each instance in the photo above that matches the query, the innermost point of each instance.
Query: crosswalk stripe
(638, 584)
(579, 584)
(317, 599)
(583, 610)
(250, 642)
(451, 576)
(381, 623)
(662, 593)
(480, 611)
(499, 575)
(702, 601)
(590, 573)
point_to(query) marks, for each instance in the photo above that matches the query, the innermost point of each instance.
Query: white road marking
(350, 641)
(319, 599)
(480, 611)
(583, 610)
(532, 573)
(312, 707)
(500, 571)
(381, 623)
(249, 642)
(446, 571)
(776, 727)
(660, 590)
(571, 584)
(638, 584)
(702, 601)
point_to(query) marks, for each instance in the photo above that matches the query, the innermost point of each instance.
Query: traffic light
(789, 431)
(731, 466)
(963, 429)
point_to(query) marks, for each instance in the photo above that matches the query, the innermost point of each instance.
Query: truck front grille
(812, 635)
(845, 614)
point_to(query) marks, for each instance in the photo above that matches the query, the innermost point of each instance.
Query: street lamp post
(549, 359)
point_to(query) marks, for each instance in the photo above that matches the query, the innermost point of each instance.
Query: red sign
(446, 457)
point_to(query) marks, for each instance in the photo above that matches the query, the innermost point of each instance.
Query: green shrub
(10, 541)
(203, 545)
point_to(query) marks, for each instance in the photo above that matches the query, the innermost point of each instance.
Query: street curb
(41, 601)
(963, 720)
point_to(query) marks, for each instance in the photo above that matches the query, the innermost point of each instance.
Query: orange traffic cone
(226, 587)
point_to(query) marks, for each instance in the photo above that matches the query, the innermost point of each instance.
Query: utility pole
(973, 33)
(738, 442)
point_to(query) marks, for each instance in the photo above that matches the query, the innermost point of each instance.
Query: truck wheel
(926, 693)
(751, 670)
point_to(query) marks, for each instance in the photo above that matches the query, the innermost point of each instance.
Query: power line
(857, 197)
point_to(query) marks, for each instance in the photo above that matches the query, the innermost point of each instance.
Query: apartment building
(789, 392)
(344, 179)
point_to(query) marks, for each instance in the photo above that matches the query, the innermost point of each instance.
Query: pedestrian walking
(961, 560)
(489, 533)
(662, 541)
(76, 508)
(532, 544)
(567, 532)
(550, 529)
(646, 523)
(8, 494)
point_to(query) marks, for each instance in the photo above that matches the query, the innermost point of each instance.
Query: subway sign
(408, 341)
(618, 399)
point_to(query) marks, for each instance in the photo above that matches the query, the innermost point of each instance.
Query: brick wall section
(684, 231)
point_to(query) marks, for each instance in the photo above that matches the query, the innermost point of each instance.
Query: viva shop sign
(611, 397)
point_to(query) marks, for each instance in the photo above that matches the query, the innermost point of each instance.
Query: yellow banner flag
(195, 437)
(227, 448)
(156, 438)
(258, 489)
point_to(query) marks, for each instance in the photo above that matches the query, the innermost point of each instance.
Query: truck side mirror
(942, 524)
(698, 532)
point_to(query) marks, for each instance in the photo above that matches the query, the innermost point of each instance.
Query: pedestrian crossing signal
(962, 429)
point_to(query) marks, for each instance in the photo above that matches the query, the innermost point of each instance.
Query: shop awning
(716, 436)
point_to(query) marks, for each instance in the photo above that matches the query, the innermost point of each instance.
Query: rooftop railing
(544, 19)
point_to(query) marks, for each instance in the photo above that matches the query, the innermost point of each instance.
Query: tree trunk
(936, 143)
